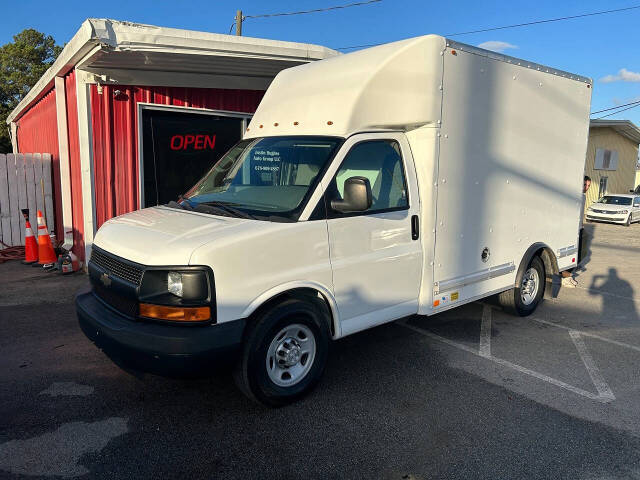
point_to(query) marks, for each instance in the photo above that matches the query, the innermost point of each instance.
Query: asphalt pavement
(470, 393)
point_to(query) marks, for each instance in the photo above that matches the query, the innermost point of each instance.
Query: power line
(616, 107)
(302, 12)
(619, 111)
(537, 22)
(516, 25)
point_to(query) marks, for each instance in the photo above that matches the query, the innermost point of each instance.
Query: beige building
(612, 156)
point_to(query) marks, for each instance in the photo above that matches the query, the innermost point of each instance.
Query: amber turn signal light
(175, 314)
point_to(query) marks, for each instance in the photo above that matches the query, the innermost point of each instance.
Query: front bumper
(168, 350)
(600, 217)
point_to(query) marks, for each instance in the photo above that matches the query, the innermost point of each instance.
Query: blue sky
(602, 47)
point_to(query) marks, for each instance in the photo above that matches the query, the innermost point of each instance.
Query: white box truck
(404, 179)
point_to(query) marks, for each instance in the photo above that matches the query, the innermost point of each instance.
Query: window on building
(602, 190)
(606, 159)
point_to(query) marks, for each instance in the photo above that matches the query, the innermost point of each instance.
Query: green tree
(22, 63)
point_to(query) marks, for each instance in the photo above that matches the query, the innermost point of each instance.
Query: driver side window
(380, 161)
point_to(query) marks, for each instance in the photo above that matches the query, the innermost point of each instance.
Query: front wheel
(524, 299)
(628, 222)
(285, 352)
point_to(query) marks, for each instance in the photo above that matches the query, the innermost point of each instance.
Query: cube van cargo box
(408, 178)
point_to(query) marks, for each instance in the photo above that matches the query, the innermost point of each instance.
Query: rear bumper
(167, 350)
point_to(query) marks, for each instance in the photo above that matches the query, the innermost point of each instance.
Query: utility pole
(239, 23)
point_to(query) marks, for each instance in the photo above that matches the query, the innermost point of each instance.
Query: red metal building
(133, 113)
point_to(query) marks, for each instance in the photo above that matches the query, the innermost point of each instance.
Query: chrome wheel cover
(530, 286)
(290, 355)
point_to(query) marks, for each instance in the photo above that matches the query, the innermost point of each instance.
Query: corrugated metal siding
(115, 135)
(74, 164)
(621, 180)
(38, 133)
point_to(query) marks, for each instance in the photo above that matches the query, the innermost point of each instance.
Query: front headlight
(174, 283)
(624, 211)
(177, 294)
(177, 286)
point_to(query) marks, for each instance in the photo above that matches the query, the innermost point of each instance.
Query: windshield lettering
(265, 177)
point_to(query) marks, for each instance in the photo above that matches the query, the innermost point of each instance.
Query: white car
(620, 208)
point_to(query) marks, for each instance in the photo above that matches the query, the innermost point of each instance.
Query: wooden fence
(25, 182)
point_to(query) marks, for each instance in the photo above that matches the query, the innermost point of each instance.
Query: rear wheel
(524, 299)
(285, 352)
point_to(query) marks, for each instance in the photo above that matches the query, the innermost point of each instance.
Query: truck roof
(392, 86)
(517, 61)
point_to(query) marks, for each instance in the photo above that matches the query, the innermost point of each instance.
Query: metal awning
(133, 53)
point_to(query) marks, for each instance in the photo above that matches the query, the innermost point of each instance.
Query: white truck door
(376, 255)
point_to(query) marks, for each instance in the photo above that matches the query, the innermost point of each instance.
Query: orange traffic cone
(46, 255)
(30, 246)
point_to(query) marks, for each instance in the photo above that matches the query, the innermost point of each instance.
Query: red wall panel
(74, 164)
(38, 133)
(115, 135)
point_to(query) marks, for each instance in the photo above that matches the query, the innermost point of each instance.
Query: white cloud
(623, 75)
(497, 46)
(624, 101)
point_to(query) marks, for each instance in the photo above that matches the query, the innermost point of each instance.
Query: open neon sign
(196, 142)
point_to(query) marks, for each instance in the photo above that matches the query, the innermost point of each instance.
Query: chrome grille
(116, 267)
(610, 212)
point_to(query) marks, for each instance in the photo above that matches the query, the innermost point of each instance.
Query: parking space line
(590, 364)
(485, 332)
(540, 376)
(588, 334)
(553, 381)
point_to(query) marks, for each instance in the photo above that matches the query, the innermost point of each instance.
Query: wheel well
(308, 294)
(546, 255)
(549, 260)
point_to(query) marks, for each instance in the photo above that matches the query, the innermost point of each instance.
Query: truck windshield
(266, 177)
(613, 200)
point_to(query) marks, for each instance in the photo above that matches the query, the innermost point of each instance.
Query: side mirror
(357, 196)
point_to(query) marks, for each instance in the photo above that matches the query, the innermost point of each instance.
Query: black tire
(628, 222)
(511, 300)
(251, 373)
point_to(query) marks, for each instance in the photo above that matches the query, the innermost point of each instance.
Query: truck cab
(367, 188)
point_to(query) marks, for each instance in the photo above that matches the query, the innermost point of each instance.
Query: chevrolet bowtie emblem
(106, 281)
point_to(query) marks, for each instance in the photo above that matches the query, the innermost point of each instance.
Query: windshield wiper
(229, 209)
(204, 208)
(181, 206)
(182, 203)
